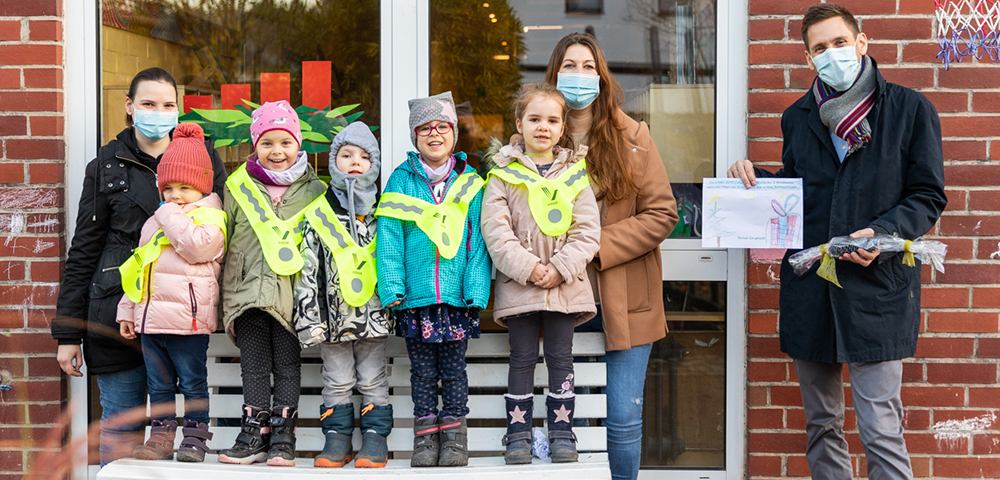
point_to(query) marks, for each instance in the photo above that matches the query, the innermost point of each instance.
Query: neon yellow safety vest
(279, 239)
(443, 223)
(550, 201)
(135, 269)
(356, 265)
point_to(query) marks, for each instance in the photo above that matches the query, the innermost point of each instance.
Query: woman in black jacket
(119, 195)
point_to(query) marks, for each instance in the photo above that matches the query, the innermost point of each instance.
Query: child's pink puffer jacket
(183, 297)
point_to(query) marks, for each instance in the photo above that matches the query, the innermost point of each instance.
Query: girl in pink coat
(172, 295)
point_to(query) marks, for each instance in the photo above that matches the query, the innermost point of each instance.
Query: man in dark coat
(869, 155)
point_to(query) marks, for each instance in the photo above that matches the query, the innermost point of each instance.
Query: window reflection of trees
(477, 57)
(233, 41)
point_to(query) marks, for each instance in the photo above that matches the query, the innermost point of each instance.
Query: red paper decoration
(316, 82)
(274, 87)
(234, 94)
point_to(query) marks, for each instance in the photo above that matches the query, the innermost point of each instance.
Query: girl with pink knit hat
(264, 201)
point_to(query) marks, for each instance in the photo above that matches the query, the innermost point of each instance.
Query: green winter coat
(247, 281)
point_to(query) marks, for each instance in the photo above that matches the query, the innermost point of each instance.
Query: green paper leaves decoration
(232, 127)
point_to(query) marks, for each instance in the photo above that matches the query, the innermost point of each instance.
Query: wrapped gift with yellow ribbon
(927, 251)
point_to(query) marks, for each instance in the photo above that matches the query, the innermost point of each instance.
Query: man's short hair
(822, 11)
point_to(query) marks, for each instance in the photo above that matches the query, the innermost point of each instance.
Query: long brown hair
(529, 91)
(608, 167)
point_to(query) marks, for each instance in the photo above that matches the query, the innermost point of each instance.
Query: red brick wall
(32, 233)
(954, 376)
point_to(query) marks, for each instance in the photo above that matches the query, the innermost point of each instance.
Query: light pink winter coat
(516, 245)
(183, 294)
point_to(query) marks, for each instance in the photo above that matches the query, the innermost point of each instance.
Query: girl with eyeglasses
(434, 273)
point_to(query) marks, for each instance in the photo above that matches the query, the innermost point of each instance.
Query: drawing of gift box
(781, 229)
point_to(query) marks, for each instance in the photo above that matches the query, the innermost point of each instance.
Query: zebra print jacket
(321, 314)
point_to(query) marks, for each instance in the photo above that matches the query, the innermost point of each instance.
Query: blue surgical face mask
(580, 89)
(154, 125)
(838, 67)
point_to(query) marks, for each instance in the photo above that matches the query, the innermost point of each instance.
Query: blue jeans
(177, 363)
(120, 432)
(626, 382)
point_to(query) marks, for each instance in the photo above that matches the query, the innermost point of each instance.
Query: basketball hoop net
(968, 28)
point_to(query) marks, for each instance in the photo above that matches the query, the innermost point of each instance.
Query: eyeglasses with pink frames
(441, 129)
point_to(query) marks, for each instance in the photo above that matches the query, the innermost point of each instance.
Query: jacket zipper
(137, 163)
(437, 251)
(149, 298)
(194, 308)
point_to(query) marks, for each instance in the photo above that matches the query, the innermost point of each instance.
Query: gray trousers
(359, 363)
(875, 388)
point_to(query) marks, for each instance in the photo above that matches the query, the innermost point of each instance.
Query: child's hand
(537, 273)
(127, 329)
(551, 279)
(393, 304)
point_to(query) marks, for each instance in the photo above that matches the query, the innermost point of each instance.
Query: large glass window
(320, 55)
(662, 52)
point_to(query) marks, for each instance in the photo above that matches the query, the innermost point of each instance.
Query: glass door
(664, 54)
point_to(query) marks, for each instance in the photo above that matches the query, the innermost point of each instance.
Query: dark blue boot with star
(518, 437)
(562, 441)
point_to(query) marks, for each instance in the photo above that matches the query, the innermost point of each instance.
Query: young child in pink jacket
(172, 295)
(542, 227)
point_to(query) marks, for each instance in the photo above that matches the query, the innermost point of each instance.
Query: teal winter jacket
(410, 268)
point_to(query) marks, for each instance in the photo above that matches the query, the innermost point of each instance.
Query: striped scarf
(845, 113)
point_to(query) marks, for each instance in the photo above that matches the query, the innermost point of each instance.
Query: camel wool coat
(629, 264)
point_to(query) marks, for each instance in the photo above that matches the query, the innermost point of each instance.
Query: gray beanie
(439, 107)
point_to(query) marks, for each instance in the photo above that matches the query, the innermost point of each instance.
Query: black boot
(338, 427)
(376, 423)
(518, 437)
(251, 443)
(426, 442)
(562, 441)
(282, 450)
(454, 442)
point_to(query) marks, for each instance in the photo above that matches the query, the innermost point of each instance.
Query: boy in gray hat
(336, 306)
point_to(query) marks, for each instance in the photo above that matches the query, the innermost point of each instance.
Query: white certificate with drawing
(768, 215)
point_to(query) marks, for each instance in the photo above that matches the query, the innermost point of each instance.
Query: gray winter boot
(454, 442)
(425, 442)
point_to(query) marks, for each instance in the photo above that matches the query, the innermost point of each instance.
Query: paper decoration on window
(274, 87)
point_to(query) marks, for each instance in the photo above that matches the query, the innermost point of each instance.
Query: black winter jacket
(119, 195)
(894, 185)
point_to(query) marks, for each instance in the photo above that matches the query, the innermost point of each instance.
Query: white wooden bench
(487, 419)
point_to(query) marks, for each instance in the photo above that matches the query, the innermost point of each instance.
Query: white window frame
(405, 70)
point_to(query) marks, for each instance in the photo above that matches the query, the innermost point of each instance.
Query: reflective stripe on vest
(356, 265)
(444, 223)
(134, 270)
(550, 201)
(278, 238)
